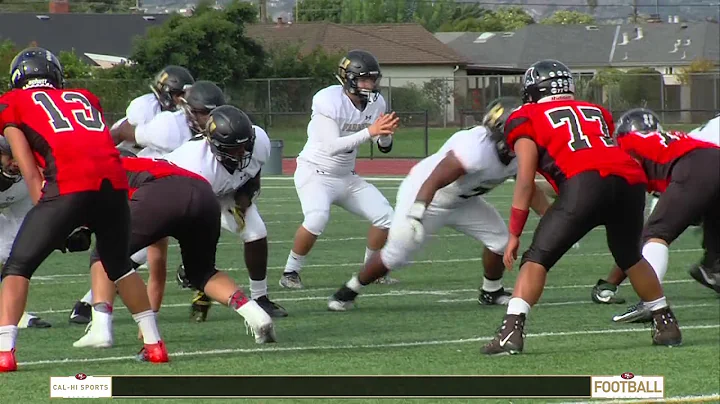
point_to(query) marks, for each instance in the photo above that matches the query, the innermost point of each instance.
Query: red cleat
(8, 362)
(154, 353)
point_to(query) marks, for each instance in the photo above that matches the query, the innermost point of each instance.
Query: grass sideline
(409, 142)
(428, 324)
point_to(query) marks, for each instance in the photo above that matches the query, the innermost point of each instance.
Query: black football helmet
(36, 67)
(231, 136)
(171, 81)
(640, 120)
(498, 112)
(359, 64)
(201, 98)
(547, 78)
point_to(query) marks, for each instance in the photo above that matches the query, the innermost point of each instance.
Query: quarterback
(343, 118)
(445, 190)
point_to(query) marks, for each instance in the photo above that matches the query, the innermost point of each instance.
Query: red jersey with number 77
(142, 170)
(572, 137)
(68, 136)
(658, 152)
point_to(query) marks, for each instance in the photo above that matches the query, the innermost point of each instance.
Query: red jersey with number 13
(68, 136)
(572, 137)
(144, 170)
(658, 152)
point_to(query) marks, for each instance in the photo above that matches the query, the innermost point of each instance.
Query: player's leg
(624, 225)
(707, 271)
(111, 224)
(316, 192)
(571, 216)
(481, 221)
(397, 251)
(365, 200)
(81, 312)
(198, 240)
(44, 229)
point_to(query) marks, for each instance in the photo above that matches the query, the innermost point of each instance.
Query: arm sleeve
(325, 132)
(163, 133)
(471, 158)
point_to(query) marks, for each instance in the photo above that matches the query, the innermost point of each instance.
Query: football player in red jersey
(61, 132)
(569, 142)
(686, 173)
(169, 201)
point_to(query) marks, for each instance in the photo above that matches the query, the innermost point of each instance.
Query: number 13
(88, 116)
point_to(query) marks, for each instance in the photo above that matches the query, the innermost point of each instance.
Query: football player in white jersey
(236, 182)
(343, 117)
(445, 190)
(154, 125)
(15, 203)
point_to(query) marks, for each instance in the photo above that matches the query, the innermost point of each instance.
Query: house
(498, 59)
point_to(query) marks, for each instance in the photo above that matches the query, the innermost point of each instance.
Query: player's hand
(79, 240)
(415, 226)
(384, 125)
(511, 252)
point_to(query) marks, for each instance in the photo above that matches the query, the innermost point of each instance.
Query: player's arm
(123, 132)
(26, 162)
(445, 173)
(527, 156)
(385, 143)
(327, 133)
(246, 194)
(539, 202)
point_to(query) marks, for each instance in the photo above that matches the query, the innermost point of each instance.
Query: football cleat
(342, 300)
(665, 328)
(182, 280)
(498, 297)
(291, 280)
(153, 353)
(81, 313)
(7, 361)
(605, 293)
(258, 322)
(705, 277)
(29, 320)
(271, 308)
(386, 280)
(510, 337)
(637, 313)
(94, 338)
(200, 307)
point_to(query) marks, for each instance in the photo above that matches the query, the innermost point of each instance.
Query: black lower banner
(351, 386)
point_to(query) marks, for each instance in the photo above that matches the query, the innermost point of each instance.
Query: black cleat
(342, 300)
(181, 279)
(706, 278)
(271, 308)
(200, 307)
(498, 297)
(81, 313)
(510, 337)
(665, 328)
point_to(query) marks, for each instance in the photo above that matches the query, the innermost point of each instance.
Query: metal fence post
(662, 99)
(269, 102)
(427, 133)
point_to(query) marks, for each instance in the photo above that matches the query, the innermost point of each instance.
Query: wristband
(517, 221)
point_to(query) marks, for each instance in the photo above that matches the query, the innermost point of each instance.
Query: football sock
(657, 255)
(148, 326)
(658, 304)
(368, 254)
(258, 288)
(8, 334)
(518, 306)
(237, 300)
(354, 284)
(87, 298)
(492, 286)
(294, 262)
(102, 316)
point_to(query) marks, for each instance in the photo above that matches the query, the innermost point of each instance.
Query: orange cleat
(8, 362)
(154, 353)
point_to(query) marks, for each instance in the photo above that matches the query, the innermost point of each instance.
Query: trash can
(275, 162)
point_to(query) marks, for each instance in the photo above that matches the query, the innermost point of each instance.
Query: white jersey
(15, 203)
(196, 156)
(478, 155)
(163, 134)
(332, 102)
(141, 110)
(709, 132)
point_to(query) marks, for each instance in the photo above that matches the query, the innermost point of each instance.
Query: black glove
(79, 240)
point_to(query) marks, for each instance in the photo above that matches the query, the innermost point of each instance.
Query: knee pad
(315, 221)
(254, 226)
(385, 220)
(140, 257)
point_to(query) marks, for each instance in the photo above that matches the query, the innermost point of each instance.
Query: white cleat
(94, 339)
(258, 323)
(339, 305)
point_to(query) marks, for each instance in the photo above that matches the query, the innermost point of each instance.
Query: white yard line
(348, 347)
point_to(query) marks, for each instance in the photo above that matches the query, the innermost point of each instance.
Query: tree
(565, 17)
(318, 10)
(211, 44)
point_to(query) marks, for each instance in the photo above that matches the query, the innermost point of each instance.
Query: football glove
(79, 240)
(239, 215)
(415, 229)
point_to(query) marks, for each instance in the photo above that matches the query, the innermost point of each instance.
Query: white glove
(414, 219)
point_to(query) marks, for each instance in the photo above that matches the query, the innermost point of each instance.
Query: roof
(591, 46)
(106, 34)
(401, 44)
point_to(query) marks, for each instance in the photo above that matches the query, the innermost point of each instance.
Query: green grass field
(428, 324)
(408, 143)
